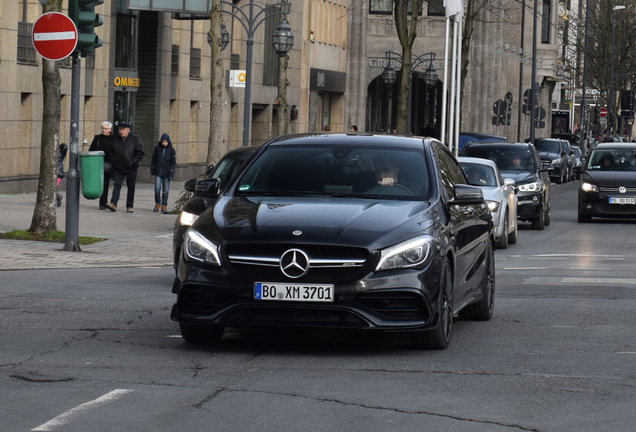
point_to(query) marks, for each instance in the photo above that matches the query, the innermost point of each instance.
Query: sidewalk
(138, 239)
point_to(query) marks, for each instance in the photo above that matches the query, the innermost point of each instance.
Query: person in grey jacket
(164, 162)
(127, 151)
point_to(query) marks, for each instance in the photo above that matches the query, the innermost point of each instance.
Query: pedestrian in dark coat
(104, 142)
(164, 162)
(127, 152)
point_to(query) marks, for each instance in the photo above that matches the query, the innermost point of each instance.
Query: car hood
(520, 177)
(354, 222)
(610, 178)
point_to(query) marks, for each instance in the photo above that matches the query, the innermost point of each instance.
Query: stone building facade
(153, 70)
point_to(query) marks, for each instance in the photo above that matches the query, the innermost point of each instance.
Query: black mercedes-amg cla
(340, 231)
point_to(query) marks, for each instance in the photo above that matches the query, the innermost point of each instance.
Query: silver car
(499, 193)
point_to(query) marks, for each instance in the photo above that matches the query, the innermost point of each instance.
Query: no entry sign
(54, 36)
(603, 112)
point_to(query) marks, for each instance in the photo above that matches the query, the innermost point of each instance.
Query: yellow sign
(126, 82)
(237, 78)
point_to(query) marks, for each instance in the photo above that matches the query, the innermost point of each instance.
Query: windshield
(479, 174)
(612, 160)
(548, 146)
(506, 158)
(393, 173)
(228, 166)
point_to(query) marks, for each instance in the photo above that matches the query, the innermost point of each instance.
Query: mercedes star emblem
(294, 263)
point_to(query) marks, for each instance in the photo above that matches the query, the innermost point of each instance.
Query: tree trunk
(216, 85)
(282, 108)
(44, 215)
(406, 26)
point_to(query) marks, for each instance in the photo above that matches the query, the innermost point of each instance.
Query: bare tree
(216, 85)
(406, 26)
(44, 215)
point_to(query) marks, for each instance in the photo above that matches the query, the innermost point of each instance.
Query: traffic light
(597, 115)
(82, 12)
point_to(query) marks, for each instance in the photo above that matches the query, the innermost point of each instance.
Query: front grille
(297, 315)
(629, 190)
(528, 211)
(395, 305)
(327, 264)
(618, 208)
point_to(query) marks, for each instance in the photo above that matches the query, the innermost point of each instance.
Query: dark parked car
(468, 137)
(578, 162)
(520, 162)
(608, 183)
(197, 204)
(556, 152)
(367, 232)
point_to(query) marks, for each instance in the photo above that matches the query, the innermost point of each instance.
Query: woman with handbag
(104, 142)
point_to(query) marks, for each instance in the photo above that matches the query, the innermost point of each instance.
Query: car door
(468, 226)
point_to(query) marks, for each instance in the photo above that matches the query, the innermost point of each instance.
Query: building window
(174, 68)
(195, 62)
(26, 51)
(126, 42)
(545, 22)
(436, 8)
(381, 6)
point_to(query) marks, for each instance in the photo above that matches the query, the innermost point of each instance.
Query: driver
(386, 172)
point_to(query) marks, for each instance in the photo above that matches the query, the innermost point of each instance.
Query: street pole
(583, 122)
(611, 88)
(71, 239)
(250, 23)
(534, 71)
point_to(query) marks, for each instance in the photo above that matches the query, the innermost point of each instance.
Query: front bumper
(529, 205)
(598, 204)
(394, 301)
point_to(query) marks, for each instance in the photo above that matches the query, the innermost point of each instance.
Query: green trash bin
(92, 173)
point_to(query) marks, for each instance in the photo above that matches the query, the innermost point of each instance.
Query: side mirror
(546, 168)
(190, 185)
(509, 182)
(465, 195)
(208, 188)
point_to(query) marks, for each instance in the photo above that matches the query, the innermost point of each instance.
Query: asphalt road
(94, 350)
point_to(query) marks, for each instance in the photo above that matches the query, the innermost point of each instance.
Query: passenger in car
(607, 162)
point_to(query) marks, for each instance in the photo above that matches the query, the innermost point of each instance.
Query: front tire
(539, 223)
(502, 242)
(483, 309)
(439, 338)
(514, 235)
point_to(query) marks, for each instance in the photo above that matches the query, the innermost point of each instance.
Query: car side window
(450, 171)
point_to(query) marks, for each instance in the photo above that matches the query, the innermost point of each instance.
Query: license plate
(293, 292)
(622, 200)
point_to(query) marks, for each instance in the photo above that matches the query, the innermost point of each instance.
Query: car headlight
(589, 187)
(187, 219)
(531, 187)
(556, 161)
(493, 205)
(198, 248)
(410, 253)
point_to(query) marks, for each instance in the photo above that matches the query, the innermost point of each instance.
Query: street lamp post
(611, 87)
(389, 76)
(282, 40)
